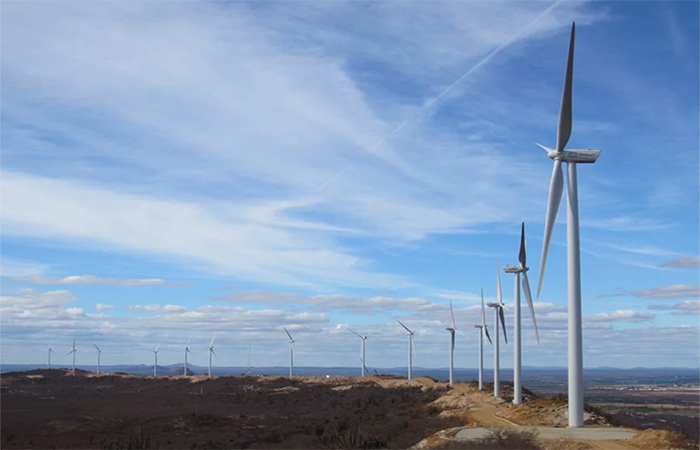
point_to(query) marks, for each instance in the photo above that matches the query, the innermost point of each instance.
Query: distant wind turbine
(556, 188)
(498, 314)
(99, 354)
(452, 329)
(411, 347)
(73, 352)
(483, 328)
(50, 350)
(155, 360)
(291, 353)
(187, 350)
(517, 352)
(211, 352)
(362, 348)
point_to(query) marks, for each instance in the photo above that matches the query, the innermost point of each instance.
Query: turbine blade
(98, 348)
(556, 189)
(502, 316)
(421, 326)
(483, 311)
(528, 296)
(372, 333)
(291, 339)
(413, 344)
(188, 341)
(499, 295)
(212, 339)
(565, 114)
(487, 334)
(452, 340)
(157, 347)
(452, 313)
(214, 353)
(522, 257)
(353, 332)
(405, 327)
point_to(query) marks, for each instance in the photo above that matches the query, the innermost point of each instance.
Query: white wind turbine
(187, 350)
(291, 353)
(155, 360)
(411, 347)
(452, 329)
(99, 355)
(50, 350)
(498, 314)
(483, 328)
(211, 352)
(362, 349)
(73, 352)
(517, 352)
(556, 188)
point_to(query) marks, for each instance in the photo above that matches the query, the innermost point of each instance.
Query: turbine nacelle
(515, 269)
(572, 156)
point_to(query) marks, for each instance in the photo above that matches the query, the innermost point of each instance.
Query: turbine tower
(498, 314)
(362, 348)
(452, 329)
(50, 350)
(99, 355)
(517, 352)
(155, 360)
(410, 347)
(291, 353)
(556, 188)
(187, 350)
(73, 352)
(211, 352)
(483, 328)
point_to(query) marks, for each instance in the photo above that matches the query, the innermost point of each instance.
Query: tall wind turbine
(556, 188)
(483, 328)
(517, 352)
(362, 349)
(187, 350)
(291, 353)
(211, 352)
(155, 360)
(411, 345)
(50, 350)
(99, 355)
(498, 314)
(73, 352)
(452, 329)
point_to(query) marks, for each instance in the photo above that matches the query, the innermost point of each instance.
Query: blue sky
(240, 167)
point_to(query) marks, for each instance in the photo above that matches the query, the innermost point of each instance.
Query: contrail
(434, 100)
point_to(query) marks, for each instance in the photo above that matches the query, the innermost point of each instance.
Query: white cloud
(158, 308)
(684, 262)
(90, 279)
(684, 308)
(103, 307)
(622, 315)
(673, 291)
(11, 267)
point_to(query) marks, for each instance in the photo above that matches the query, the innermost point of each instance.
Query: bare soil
(56, 409)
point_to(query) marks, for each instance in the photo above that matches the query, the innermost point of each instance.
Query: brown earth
(56, 409)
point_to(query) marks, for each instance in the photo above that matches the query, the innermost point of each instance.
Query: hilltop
(56, 408)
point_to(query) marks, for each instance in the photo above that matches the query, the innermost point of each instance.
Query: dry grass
(658, 439)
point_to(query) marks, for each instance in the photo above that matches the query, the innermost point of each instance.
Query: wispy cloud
(669, 292)
(684, 262)
(90, 279)
(687, 307)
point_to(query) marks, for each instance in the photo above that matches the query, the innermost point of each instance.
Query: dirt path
(483, 407)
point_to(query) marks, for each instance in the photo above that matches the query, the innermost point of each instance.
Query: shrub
(497, 439)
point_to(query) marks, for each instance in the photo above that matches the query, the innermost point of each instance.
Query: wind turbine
(498, 314)
(50, 350)
(362, 349)
(73, 352)
(211, 352)
(483, 328)
(452, 329)
(291, 353)
(411, 345)
(187, 350)
(517, 270)
(155, 360)
(99, 354)
(556, 188)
